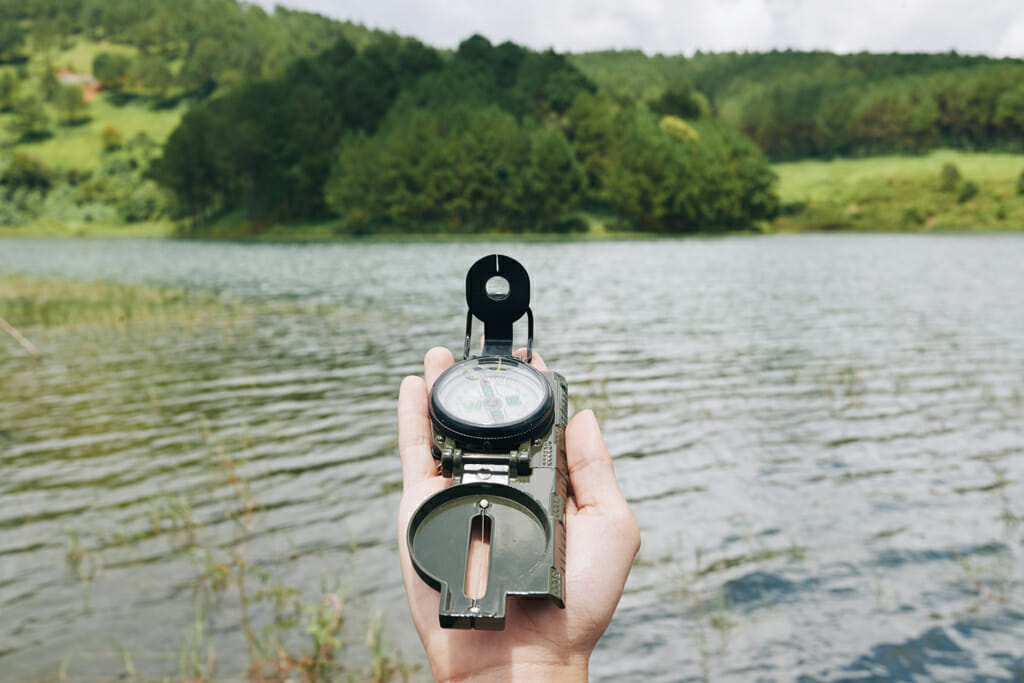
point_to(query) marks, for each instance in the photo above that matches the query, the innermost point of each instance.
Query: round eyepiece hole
(497, 288)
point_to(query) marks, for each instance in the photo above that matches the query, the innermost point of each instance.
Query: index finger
(414, 432)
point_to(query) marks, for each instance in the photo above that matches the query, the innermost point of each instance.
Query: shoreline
(304, 237)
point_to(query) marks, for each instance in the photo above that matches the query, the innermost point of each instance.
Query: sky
(991, 27)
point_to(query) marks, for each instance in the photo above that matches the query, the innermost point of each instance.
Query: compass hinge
(492, 468)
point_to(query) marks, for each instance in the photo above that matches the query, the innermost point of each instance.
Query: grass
(292, 638)
(29, 302)
(79, 56)
(49, 227)
(80, 146)
(901, 193)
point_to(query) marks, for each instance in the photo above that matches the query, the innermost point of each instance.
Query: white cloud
(993, 27)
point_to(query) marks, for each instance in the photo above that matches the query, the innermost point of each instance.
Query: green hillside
(819, 104)
(943, 190)
(214, 117)
(70, 165)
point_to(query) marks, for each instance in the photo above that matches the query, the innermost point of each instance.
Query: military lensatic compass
(499, 433)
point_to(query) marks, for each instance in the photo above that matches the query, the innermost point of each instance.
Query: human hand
(540, 641)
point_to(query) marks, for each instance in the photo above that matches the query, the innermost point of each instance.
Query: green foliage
(660, 178)
(684, 103)
(30, 120)
(111, 69)
(268, 146)
(12, 37)
(69, 102)
(49, 86)
(901, 193)
(678, 129)
(8, 90)
(26, 172)
(146, 202)
(111, 138)
(967, 192)
(1020, 184)
(219, 42)
(465, 168)
(151, 73)
(801, 104)
(949, 177)
(524, 83)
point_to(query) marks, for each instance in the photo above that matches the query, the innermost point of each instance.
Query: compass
(499, 432)
(492, 402)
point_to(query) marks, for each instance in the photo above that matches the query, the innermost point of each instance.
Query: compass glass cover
(491, 392)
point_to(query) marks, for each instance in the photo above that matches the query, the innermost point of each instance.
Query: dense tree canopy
(461, 168)
(488, 138)
(819, 104)
(267, 146)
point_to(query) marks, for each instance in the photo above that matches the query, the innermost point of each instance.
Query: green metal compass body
(499, 433)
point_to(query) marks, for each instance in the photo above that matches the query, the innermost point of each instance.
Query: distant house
(90, 86)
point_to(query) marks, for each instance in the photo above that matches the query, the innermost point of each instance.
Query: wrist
(573, 670)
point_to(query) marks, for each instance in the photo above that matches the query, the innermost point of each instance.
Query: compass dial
(491, 398)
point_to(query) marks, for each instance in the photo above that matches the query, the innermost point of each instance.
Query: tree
(1010, 111)
(111, 138)
(26, 171)
(684, 103)
(273, 142)
(111, 69)
(48, 84)
(202, 66)
(11, 38)
(30, 121)
(8, 89)
(949, 177)
(70, 103)
(464, 168)
(656, 177)
(189, 166)
(151, 73)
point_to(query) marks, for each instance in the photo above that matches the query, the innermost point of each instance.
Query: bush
(1020, 184)
(8, 89)
(27, 172)
(151, 73)
(949, 177)
(30, 120)
(678, 129)
(147, 202)
(71, 104)
(111, 138)
(967, 191)
(912, 217)
(111, 69)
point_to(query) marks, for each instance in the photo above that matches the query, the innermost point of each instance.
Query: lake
(821, 438)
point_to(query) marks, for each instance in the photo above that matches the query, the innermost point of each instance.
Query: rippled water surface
(821, 437)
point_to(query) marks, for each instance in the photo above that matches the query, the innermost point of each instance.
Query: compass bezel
(486, 437)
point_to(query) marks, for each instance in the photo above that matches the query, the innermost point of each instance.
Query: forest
(798, 105)
(262, 119)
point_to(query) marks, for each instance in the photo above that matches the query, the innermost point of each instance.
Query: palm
(601, 538)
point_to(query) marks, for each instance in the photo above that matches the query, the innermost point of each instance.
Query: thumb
(591, 474)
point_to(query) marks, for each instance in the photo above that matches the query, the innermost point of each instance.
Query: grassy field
(902, 193)
(80, 146)
(48, 227)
